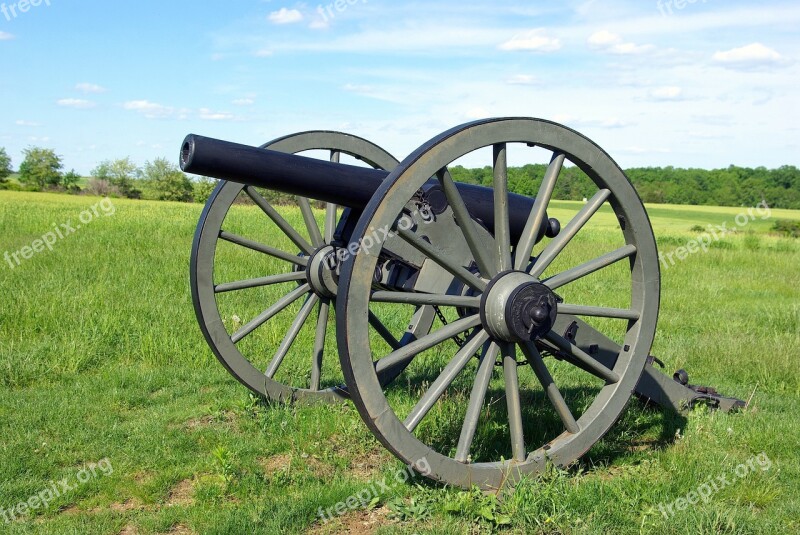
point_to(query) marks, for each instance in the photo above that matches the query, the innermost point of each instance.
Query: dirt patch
(71, 509)
(180, 529)
(367, 467)
(208, 420)
(127, 505)
(276, 463)
(358, 522)
(181, 494)
(283, 462)
(129, 530)
(143, 478)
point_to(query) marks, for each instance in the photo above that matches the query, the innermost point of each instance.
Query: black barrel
(345, 185)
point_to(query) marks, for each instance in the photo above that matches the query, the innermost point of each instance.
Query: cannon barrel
(345, 185)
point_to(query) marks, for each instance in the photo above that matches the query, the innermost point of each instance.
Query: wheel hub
(322, 271)
(518, 308)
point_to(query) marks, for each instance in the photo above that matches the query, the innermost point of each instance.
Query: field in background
(101, 358)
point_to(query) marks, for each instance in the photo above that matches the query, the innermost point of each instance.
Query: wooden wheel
(508, 301)
(292, 274)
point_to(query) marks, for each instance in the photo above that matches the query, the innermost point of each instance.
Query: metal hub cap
(321, 271)
(516, 307)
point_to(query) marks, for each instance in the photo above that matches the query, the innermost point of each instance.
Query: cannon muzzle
(345, 185)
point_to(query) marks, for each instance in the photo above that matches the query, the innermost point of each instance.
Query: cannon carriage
(476, 335)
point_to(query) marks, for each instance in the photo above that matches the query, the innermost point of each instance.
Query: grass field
(108, 386)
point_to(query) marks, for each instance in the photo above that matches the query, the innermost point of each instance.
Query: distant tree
(5, 165)
(70, 181)
(203, 187)
(40, 168)
(122, 174)
(170, 183)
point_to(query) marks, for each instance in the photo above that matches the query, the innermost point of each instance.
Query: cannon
(463, 313)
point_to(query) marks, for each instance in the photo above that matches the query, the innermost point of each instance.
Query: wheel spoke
(319, 343)
(291, 335)
(378, 325)
(330, 212)
(261, 248)
(587, 268)
(418, 327)
(594, 367)
(411, 298)
(467, 277)
(282, 224)
(476, 399)
(553, 393)
(531, 232)
(265, 316)
(311, 221)
(480, 253)
(502, 234)
(513, 402)
(600, 312)
(559, 242)
(259, 282)
(411, 350)
(445, 379)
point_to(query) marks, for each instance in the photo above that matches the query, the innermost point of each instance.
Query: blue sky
(706, 83)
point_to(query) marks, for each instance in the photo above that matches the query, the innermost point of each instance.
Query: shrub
(203, 187)
(102, 188)
(787, 227)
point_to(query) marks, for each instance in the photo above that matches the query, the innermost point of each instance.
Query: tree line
(42, 169)
(732, 186)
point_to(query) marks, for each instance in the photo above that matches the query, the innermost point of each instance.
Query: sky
(703, 83)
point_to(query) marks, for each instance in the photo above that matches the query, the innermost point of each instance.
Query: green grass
(101, 358)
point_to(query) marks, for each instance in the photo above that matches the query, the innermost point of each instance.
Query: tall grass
(100, 357)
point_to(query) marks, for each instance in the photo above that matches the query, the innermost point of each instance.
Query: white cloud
(631, 48)
(522, 79)
(748, 57)
(21, 122)
(150, 110)
(77, 103)
(355, 88)
(477, 113)
(642, 150)
(319, 24)
(613, 43)
(243, 102)
(575, 122)
(667, 93)
(208, 115)
(534, 40)
(4, 36)
(604, 38)
(90, 88)
(263, 53)
(285, 16)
